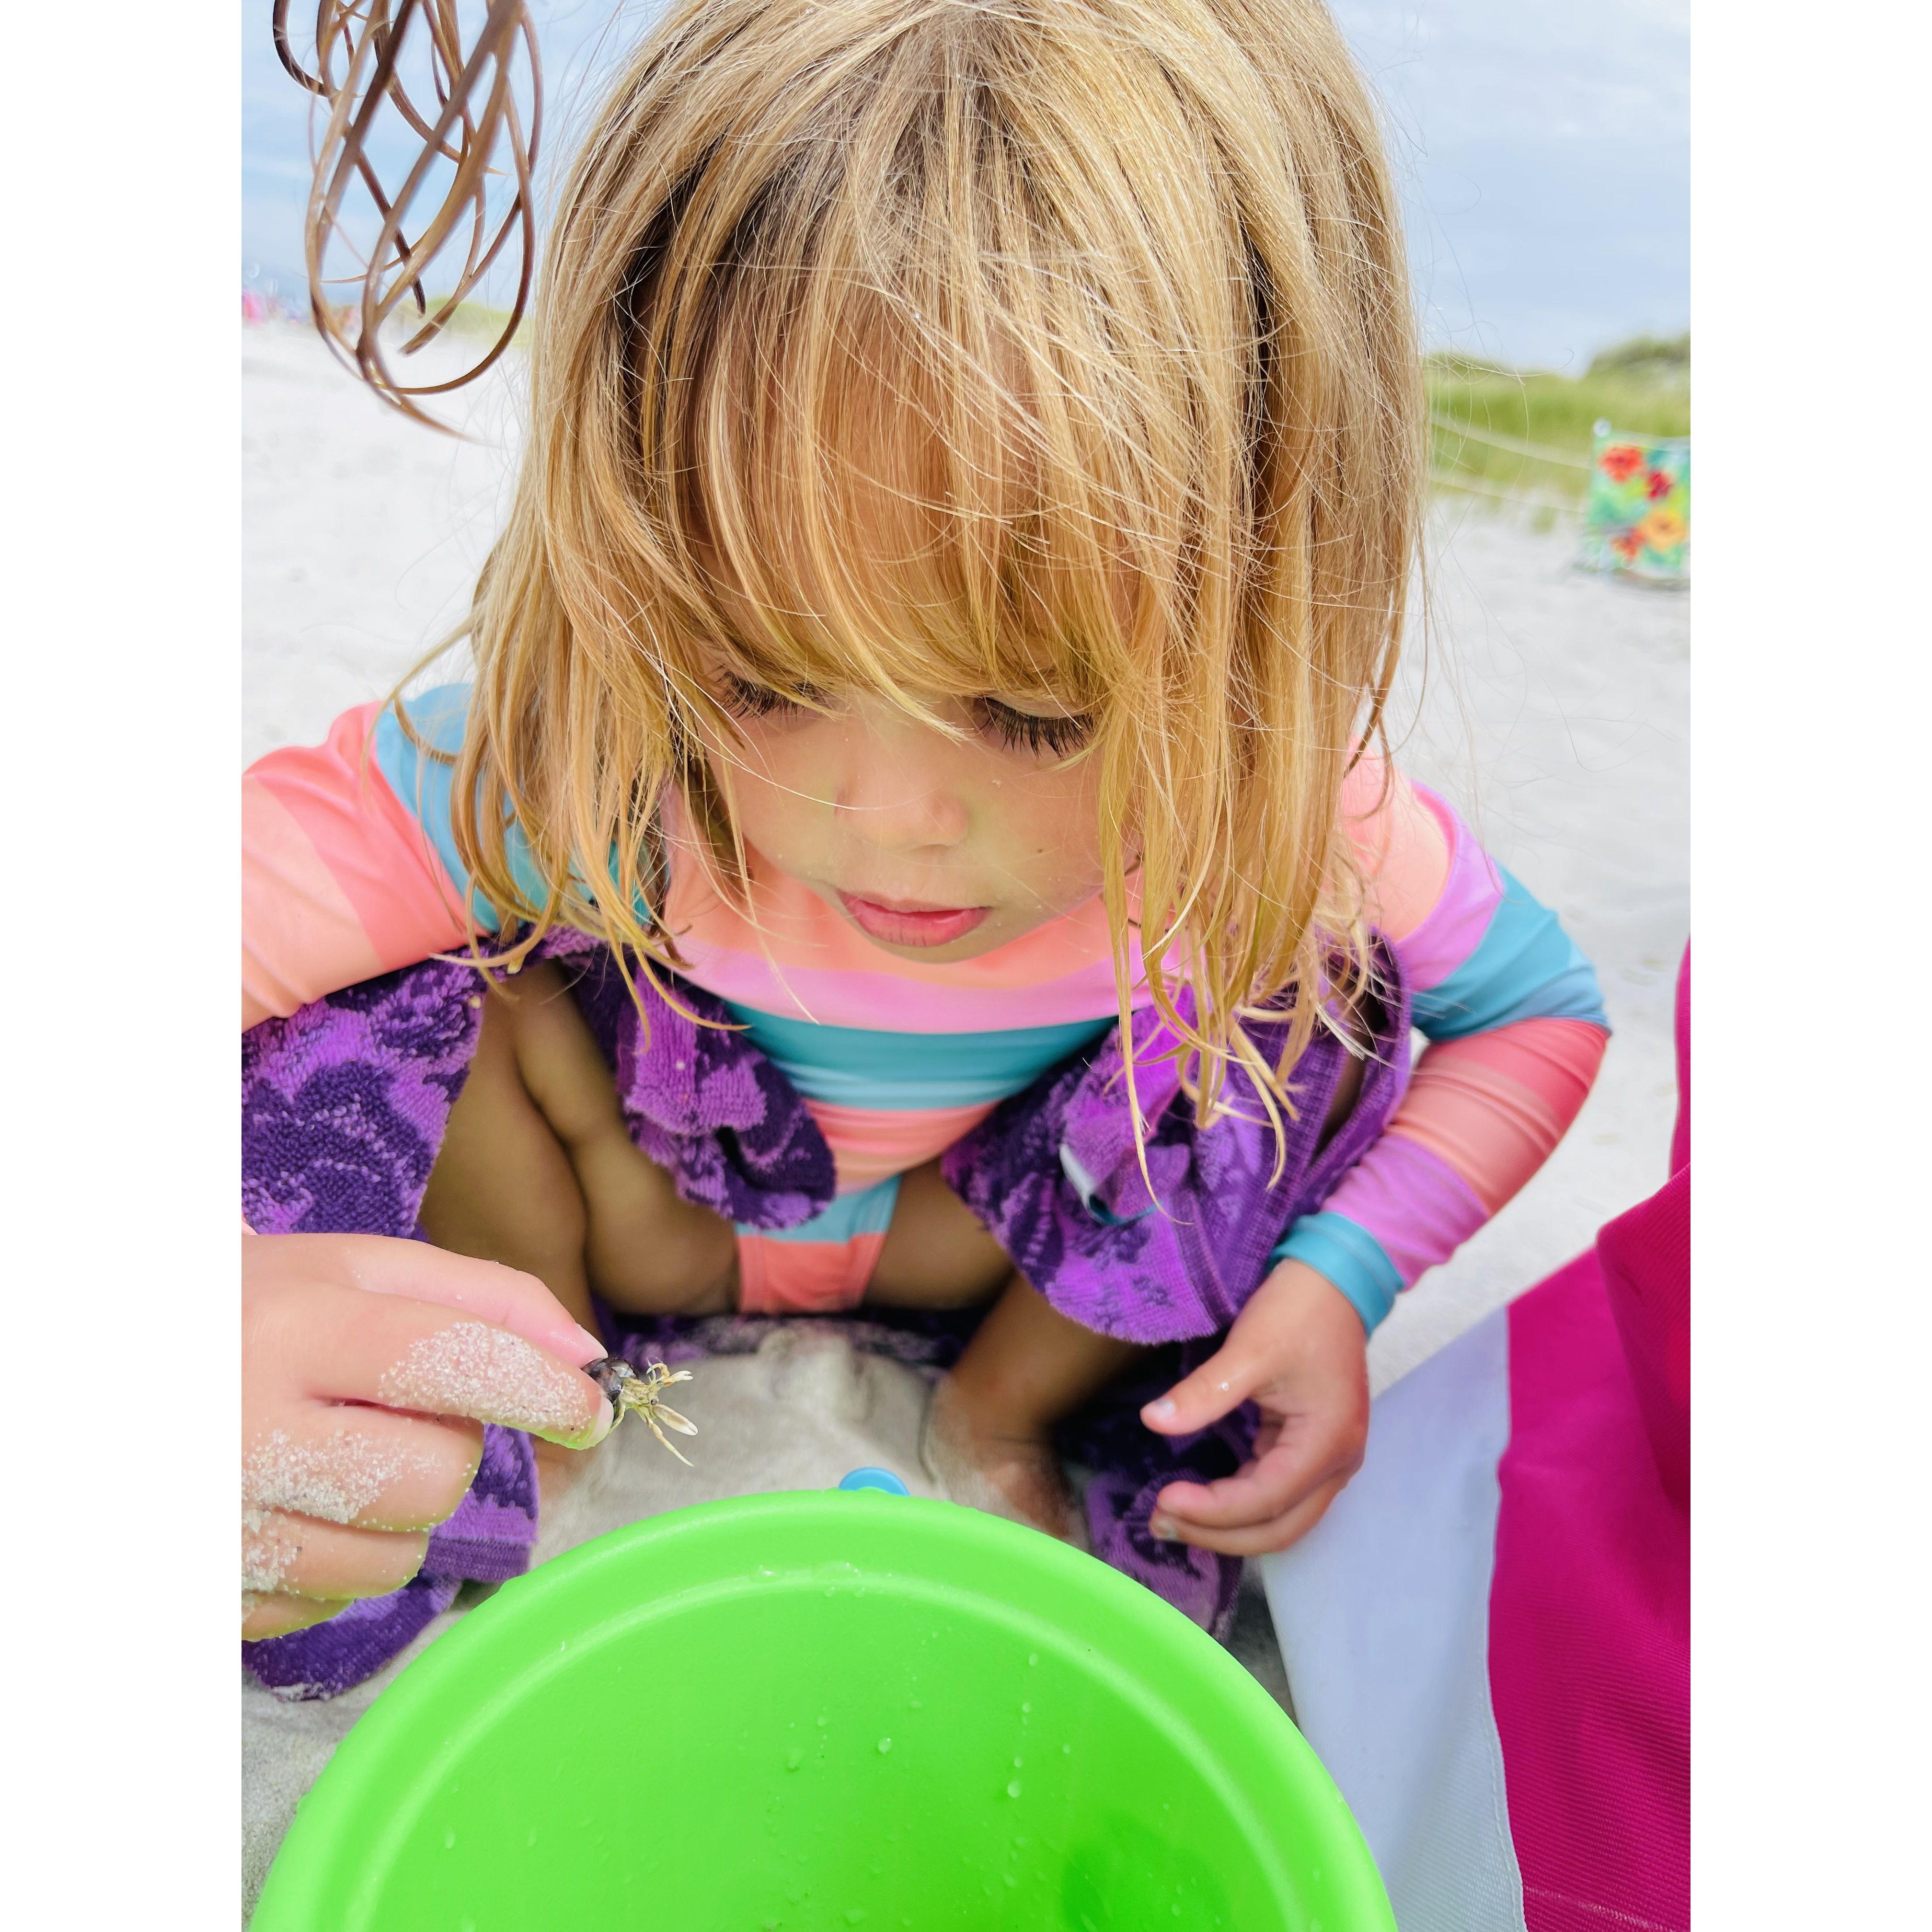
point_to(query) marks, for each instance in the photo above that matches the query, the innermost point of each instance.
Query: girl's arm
(1516, 1031)
(348, 869)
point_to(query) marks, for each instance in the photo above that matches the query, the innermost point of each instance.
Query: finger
(1263, 1539)
(1308, 1453)
(409, 1354)
(364, 1466)
(1222, 1382)
(299, 1557)
(275, 1615)
(506, 1297)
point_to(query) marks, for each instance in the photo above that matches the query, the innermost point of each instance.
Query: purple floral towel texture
(343, 1108)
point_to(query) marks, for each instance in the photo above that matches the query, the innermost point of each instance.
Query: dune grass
(1642, 386)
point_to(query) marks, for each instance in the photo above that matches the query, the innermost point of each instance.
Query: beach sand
(1550, 707)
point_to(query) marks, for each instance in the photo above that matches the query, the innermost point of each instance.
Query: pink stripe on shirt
(1454, 928)
(886, 1003)
(1414, 1204)
(790, 953)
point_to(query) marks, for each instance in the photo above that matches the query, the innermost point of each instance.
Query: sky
(1543, 149)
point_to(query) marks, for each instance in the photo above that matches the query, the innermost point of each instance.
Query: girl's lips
(912, 925)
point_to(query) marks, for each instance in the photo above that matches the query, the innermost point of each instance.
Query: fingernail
(1162, 1527)
(1163, 1411)
(606, 1421)
(594, 1351)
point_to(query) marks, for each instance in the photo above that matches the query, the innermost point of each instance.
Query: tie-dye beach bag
(1636, 520)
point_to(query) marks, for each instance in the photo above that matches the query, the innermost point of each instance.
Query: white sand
(1555, 715)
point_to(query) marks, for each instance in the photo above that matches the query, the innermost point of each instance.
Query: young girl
(920, 780)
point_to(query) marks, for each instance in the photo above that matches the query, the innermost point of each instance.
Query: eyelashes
(743, 699)
(1055, 734)
(1058, 733)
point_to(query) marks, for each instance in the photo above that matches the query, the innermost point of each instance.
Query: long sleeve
(341, 878)
(1516, 1031)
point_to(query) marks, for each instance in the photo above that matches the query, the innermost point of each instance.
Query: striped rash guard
(350, 869)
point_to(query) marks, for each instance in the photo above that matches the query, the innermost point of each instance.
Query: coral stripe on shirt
(375, 852)
(293, 912)
(1403, 847)
(1493, 1106)
(869, 1144)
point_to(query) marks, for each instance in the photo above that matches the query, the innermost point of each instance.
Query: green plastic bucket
(785, 1713)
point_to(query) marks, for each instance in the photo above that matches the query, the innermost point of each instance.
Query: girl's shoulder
(1415, 852)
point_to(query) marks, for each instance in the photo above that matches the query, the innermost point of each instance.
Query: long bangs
(886, 458)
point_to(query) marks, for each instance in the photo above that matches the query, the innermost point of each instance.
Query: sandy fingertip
(472, 1368)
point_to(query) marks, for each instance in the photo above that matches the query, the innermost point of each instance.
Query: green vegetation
(478, 318)
(1642, 386)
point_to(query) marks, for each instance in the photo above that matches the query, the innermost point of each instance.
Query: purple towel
(343, 1108)
(488, 1539)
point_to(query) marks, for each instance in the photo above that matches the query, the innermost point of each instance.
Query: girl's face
(935, 847)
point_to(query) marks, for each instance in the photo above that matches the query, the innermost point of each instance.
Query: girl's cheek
(770, 780)
(1049, 820)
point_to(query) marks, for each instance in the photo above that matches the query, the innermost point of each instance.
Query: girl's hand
(368, 1365)
(1298, 1351)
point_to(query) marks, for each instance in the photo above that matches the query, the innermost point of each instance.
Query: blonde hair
(951, 340)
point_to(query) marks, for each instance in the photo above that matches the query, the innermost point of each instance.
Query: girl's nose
(896, 794)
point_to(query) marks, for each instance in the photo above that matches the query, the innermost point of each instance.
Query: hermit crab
(643, 1395)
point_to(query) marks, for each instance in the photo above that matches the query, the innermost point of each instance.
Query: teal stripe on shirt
(1349, 1256)
(1525, 967)
(425, 785)
(899, 1072)
(868, 1212)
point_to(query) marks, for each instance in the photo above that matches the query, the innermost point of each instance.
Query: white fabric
(1382, 1611)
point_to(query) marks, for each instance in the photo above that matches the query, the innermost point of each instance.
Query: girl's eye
(1058, 732)
(744, 699)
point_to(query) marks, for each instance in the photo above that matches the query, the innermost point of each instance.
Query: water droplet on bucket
(1066, 1750)
(793, 1758)
(1018, 1762)
(1013, 1788)
(1026, 1710)
(885, 1745)
(823, 1721)
(449, 1841)
(1033, 1657)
